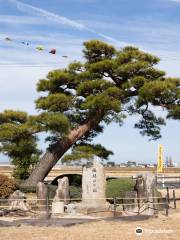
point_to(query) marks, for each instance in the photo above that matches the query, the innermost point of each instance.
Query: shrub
(51, 190)
(75, 192)
(117, 187)
(74, 179)
(27, 189)
(7, 186)
(32, 189)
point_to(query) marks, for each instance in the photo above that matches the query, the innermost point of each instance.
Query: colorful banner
(160, 159)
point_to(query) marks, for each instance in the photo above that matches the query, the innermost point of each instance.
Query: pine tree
(79, 101)
(87, 152)
(18, 142)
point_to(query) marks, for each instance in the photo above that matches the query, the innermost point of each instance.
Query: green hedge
(75, 192)
(27, 189)
(117, 187)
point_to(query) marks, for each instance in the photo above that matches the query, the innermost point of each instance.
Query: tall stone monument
(94, 186)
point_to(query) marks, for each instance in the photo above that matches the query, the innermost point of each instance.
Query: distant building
(131, 164)
(123, 165)
(110, 164)
(169, 162)
(141, 165)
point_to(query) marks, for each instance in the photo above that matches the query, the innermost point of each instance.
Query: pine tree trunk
(51, 157)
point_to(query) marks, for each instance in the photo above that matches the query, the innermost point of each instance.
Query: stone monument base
(90, 208)
(130, 202)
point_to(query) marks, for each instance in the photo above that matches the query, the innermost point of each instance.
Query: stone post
(146, 189)
(42, 194)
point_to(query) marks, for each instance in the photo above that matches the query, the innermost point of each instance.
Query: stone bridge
(111, 172)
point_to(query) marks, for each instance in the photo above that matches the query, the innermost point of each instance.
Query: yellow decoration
(40, 48)
(160, 159)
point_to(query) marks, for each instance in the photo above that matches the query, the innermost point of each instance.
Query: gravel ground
(161, 228)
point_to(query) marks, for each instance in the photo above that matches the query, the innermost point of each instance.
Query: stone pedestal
(71, 208)
(130, 202)
(57, 207)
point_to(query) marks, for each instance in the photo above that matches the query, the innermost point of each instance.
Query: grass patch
(117, 187)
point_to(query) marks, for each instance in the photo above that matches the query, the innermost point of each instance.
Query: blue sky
(152, 25)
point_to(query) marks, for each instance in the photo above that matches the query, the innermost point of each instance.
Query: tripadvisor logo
(139, 231)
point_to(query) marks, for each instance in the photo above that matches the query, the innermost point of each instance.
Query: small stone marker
(17, 201)
(41, 191)
(71, 208)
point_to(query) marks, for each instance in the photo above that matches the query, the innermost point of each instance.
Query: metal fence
(116, 205)
(168, 181)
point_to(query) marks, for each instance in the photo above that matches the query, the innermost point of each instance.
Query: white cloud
(18, 87)
(115, 41)
(10, 19)
(177, 1)
(27, 8)
(52, 17)
(148, 31)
